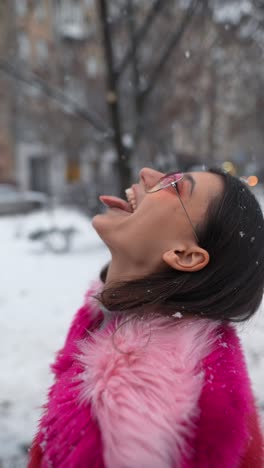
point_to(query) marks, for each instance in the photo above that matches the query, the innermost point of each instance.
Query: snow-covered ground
(39, 293)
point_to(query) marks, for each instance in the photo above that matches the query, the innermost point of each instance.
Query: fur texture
(162, 393)
(226, 403)
(145, 391)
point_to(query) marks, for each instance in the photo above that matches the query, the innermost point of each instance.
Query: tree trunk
(122, 166)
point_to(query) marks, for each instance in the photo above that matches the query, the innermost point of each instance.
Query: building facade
(209, 110)
(54, 44)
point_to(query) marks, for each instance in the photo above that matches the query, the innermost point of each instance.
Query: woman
(152, 374)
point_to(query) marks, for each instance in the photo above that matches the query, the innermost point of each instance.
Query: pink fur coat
(162, 393)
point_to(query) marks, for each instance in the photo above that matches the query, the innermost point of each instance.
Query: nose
(149, 177)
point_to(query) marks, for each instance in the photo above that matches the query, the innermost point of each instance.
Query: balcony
(70, 20)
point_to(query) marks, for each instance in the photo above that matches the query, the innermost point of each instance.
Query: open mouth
(116, 202)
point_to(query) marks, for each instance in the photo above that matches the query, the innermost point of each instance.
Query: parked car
(15, 201)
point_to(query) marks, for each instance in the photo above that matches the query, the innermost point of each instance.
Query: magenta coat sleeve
(229, 432)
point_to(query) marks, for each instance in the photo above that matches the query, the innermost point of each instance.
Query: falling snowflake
(177, 315)
(224, 345)
(242, 234)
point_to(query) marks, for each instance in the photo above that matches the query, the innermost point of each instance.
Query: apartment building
(7, 108)
(53, 41)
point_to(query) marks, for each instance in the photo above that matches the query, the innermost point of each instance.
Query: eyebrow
(191, 179)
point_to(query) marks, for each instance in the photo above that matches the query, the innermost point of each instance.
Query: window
(70, 19)
(4, 153)
(73, 172)
(40, 12)
(42, 51)
(91, 66)
(21, 7)
(24, 46)
(39, 174)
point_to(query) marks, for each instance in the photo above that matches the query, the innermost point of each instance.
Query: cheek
(198, 211)
(153, 230)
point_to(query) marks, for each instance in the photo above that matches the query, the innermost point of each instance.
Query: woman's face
(159, 223)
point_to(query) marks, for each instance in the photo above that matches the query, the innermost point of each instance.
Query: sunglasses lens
(166, 180)
(169, 178)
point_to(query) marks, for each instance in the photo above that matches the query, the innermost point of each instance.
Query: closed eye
(177, 188)
(183, 187)
(191, 180)
(180, 187)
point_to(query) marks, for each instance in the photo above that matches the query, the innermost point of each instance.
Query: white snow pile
(39, 293)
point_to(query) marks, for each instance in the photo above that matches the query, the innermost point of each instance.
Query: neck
(123, 271)
(116, 273)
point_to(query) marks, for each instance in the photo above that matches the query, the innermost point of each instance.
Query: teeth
(131, 198)
(129, 192)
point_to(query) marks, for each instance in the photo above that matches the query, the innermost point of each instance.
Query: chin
(98, 222)
(102, 227)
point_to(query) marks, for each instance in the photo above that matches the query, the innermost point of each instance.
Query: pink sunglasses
(171, 180)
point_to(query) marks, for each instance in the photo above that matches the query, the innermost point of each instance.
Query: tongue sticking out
(115, 202)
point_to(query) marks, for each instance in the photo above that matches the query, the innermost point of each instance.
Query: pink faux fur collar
(144, 384)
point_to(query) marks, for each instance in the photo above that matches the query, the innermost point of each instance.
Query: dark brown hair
(229, 288)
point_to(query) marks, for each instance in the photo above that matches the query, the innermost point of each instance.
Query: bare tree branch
(175, 39)
(134, 60)
(139, 36)
(56, 95)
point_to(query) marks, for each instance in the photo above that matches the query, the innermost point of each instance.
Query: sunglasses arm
(174, 185)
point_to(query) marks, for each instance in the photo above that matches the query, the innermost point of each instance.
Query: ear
(190, 260)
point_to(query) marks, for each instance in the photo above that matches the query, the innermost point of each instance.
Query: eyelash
(177, 188)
